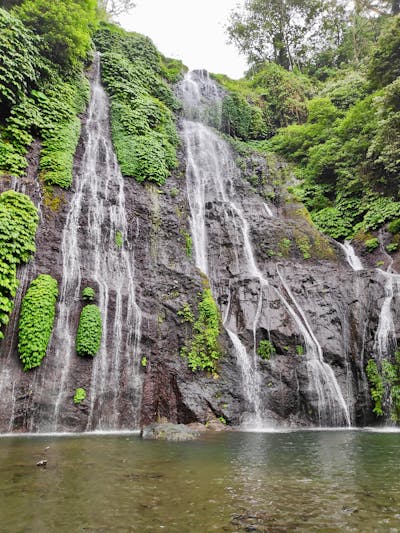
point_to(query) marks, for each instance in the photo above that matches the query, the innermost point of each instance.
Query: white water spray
(210, 175)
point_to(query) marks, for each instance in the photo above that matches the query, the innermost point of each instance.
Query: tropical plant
(36, 320)
(88, 337)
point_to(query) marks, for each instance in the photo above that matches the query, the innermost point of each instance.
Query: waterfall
(332, 408)
(211, 174)
(92, 254)
(385, 336)
(351, 257)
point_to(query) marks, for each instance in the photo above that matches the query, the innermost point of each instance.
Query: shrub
(18, 224)
(376, 386)
(88, 294)
(371, 244)
(346, 91)
(203, 352)
(392, 247)
(186, 313)
(80, 395)
(119, 239)
(331, 222)
(143, 129)
(51, 114)
(266, 349)
(88, 337)
(384, 66)
(394, 226)
(64, 26)
(19, 61)
(299, 349)
(36, 320)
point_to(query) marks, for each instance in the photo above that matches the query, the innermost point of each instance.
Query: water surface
(272, 482)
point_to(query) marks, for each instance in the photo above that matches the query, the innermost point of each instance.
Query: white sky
(189, 30)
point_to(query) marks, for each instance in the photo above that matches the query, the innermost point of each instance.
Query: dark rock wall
(342, 306)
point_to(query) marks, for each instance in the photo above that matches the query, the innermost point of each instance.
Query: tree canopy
(116, 7)
(64, 27)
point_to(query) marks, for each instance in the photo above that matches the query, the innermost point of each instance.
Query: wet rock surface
(168, 431)
(342, 307)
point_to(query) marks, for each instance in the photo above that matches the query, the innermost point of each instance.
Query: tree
(384, 66)
(281, 30)
(377, 7)
(18, 60)
(116, 7)
(64, 26)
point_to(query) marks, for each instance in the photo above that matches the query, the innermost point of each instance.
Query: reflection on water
(271, 482)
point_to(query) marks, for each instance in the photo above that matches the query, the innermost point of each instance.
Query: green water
(297, 481)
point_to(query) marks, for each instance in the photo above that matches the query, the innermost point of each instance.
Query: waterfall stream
(351, 256)
(92, 254)
(211, 173)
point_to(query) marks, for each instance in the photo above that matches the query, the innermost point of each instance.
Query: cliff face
(275, 279)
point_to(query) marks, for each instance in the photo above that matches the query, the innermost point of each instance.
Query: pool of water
(273, 482)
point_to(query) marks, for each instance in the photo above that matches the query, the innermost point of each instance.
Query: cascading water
(92, 253)
(211, 173)
(351, 256)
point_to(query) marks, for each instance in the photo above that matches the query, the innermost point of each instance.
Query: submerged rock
(168, 431)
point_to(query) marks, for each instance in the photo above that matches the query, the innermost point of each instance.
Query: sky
(189, 30)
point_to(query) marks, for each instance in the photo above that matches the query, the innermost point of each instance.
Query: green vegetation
(392, 247)
(262, 102)
(266, 349)
(36, 320)
(88, 294)
(371, 244)
(143, 128)
(188, 243)
(202, 351)
(119, 239)
(376, 386)
(186, 313)
(299, 349)
(18, 71)
(323, 91)
(80, 395)
(64, 27)
(144, 361)
(88, 337)
(385, 383)
(18, 224)
(44, 98)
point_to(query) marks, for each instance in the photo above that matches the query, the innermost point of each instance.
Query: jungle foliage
(42, 88)
(334, 115)
(142, 103)
(36, 320)
(18, 224)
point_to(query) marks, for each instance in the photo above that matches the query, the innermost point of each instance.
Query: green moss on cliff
(142, 104)
(36, 320)
(202, 351)
(18, 224)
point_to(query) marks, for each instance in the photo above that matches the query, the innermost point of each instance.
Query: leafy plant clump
(143, 129)
(186, 313)
(88, 294)
(18, 224)
(43, 47)
(371, 244)
(385, 383)
(80, 395)
(36, 320)
(88, 337)
(19, 59)
(119, 239)
(202, 351)
(266, 349)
